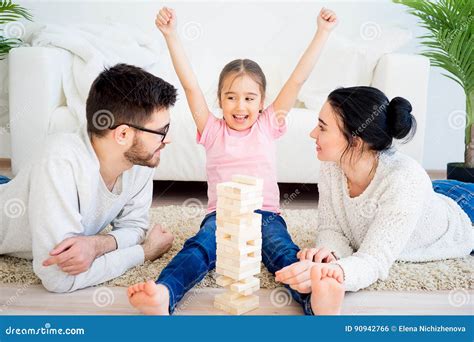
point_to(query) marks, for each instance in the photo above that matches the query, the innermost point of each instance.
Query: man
(55, 208)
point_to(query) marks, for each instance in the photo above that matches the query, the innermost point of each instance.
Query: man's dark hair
(126, 94)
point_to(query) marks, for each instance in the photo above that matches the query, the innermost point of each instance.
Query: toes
(316, 273)
(150, 288)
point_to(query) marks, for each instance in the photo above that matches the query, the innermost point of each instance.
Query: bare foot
(149, 298)
(157, 243)
(327, 292)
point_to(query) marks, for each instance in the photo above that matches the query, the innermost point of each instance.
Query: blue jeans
(198, 257)
(4, 180)
(462, 193)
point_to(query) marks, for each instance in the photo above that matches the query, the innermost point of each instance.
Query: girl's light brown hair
(241, 67)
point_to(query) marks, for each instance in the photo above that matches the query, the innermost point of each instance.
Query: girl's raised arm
(166, 22)
(285, 100)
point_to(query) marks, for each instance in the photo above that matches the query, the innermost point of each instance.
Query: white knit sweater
(398, 217)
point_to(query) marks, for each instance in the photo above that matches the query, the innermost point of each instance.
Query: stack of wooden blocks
(239, 243)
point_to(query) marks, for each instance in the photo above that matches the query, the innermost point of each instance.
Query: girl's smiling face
(330, 140)
(241, 101)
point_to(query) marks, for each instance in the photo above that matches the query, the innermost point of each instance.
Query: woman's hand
(296, 275)
(166, 21)
(321, 254)
(327, 20)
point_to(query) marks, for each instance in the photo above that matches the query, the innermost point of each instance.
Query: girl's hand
(166, 21)
(327, 20)
(321, 254)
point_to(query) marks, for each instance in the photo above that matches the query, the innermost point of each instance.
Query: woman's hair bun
(399, 118)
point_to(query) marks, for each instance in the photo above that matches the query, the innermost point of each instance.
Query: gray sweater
(62, 194)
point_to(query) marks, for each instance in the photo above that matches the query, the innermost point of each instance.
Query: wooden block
(236, 188)
(239, 251)
(230, 296)
(238, 245)
(224, 281)
(240, 262)
(231, 212)
(243, 233)
(236, 306)
(233, 310)
(258, 182)
(239, 197)
(238, 269)
(254, 255)
(241, 238)
(256, 202)
(237, 275)
(243, 221)
(250, 290)
(236, 230)
(245, 284)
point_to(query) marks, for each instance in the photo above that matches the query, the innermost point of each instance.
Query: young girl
(376, 205)
(240, 143)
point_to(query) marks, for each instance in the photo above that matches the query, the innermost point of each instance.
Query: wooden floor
(27, 300)
(34, 300)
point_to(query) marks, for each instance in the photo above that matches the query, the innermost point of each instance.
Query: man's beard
(137, 155)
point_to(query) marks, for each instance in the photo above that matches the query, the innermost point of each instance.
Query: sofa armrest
(406, 76)
(35, 84)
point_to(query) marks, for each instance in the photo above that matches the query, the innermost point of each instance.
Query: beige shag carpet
(184, 222)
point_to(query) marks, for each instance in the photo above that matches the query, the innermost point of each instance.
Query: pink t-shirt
(251, 152)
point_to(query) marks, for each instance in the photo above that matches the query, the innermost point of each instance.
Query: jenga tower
(239, 243)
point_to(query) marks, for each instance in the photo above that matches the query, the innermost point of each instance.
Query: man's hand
(75, 255)
(321, 254)
(157, 243)
(327, 20)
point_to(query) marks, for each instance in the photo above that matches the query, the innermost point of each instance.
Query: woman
(376, 204)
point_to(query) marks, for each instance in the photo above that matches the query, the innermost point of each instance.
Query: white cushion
(347, 62)
(62, 121)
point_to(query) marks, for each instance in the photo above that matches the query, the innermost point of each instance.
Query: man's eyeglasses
(163, 131)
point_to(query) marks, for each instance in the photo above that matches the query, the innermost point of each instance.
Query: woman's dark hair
(239, 67)
(125, 94)
(367, 113)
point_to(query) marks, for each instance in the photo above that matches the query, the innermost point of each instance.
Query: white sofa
(38, 108)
